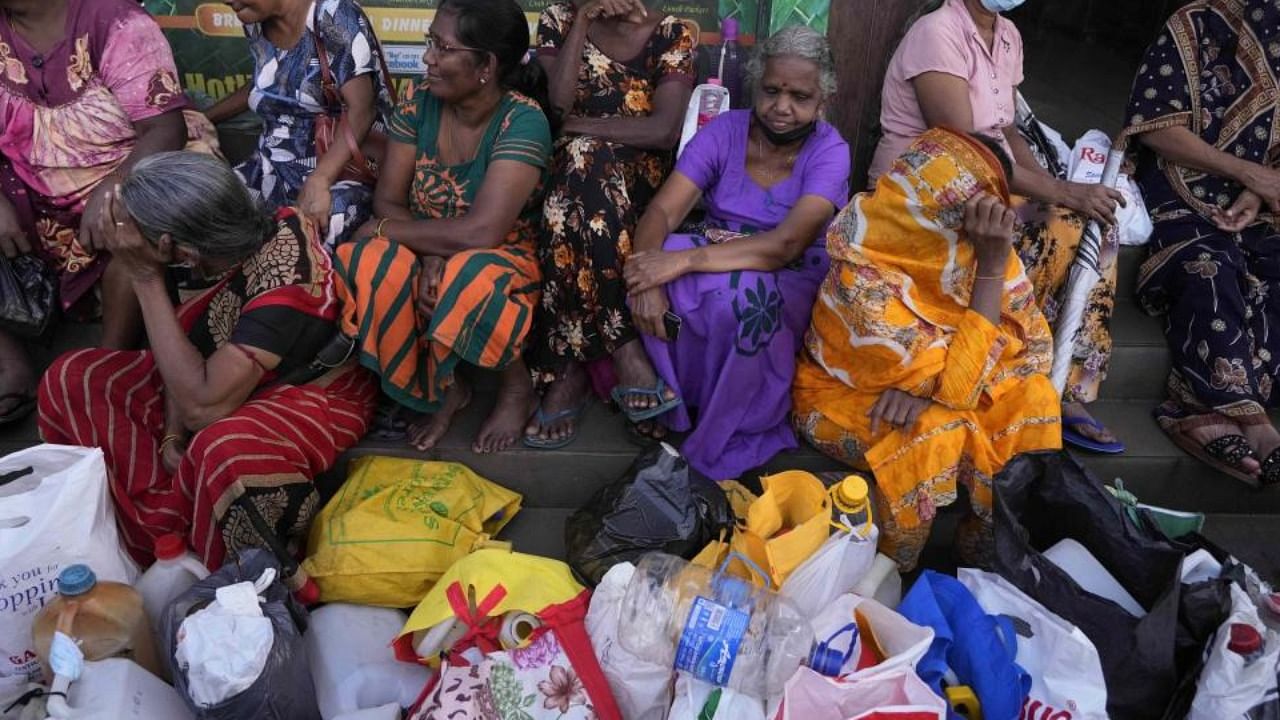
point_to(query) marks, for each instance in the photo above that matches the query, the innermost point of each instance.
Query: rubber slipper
(26, 404)
(1070, 436)
(645, 440)
(574, 413)
(657, 392)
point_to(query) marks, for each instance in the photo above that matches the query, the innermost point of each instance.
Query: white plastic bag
(833, 570)
(1066, 673)
(1088, 158)
(902, 641)
(641, 688)
(884, 696)
(59, 514)
(224, 647)
(692, 698)
(1231, 686)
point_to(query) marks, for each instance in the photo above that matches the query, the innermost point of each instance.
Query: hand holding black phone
(671, 322)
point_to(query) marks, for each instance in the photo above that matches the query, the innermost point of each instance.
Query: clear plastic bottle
(729, 68)
(716, 627)
(711, 101)
(173, 573)
(105, 618)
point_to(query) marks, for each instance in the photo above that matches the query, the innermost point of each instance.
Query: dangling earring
(484, 80)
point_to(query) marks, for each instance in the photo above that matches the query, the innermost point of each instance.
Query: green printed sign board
(209, 46)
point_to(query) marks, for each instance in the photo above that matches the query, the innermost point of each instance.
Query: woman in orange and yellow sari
(927, 357)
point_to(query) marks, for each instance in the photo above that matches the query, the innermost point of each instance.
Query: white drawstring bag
(834, 569)
(1066, 673)
(55, 510)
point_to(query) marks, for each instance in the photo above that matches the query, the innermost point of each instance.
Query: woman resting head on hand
(227, 413)
(926, 358)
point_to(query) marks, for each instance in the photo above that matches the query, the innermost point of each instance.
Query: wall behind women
(210, 50)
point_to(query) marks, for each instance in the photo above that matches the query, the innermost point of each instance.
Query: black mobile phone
(671, 322)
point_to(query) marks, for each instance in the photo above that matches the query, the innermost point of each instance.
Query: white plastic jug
(117, 689)
(352, 663)
(882, 582)
(1076, 561)
(173, 573)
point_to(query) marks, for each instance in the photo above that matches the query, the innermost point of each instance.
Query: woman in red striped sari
(229, 407)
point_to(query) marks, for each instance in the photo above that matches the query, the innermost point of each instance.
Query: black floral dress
(597, 192)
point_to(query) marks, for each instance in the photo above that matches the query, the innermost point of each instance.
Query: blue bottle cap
(76, 580)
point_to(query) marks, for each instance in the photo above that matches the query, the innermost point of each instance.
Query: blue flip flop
(1071, 437)
(537, 443)
(635, 415)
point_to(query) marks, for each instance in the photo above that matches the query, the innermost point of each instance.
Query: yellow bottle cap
(852, 492)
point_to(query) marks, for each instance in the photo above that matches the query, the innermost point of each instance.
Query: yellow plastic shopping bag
(397, 525)
(782, 528)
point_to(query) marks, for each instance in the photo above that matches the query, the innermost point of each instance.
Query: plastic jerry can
(174, 572)
(105, 618)
(117, 689)
(352, 663)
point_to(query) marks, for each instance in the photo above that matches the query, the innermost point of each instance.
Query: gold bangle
(164, 442)
(382, 223)
(989, 277)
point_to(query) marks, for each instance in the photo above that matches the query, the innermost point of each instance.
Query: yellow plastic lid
(852, 492)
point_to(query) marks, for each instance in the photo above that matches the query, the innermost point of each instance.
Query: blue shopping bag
(979, 649)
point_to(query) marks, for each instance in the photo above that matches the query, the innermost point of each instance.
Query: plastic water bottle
(173, 573)
(718, 628)
(729, 69)
(708, 100)
(106, 620)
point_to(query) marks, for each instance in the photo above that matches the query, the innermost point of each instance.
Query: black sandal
(1231, 449)
(1270, 474)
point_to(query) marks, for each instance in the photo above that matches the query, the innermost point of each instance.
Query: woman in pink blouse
(960, 66)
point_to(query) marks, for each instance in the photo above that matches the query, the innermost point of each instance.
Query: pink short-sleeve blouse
(947, 41)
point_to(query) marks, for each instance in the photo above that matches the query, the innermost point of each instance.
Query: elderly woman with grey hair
(723, 310)
(234, 409)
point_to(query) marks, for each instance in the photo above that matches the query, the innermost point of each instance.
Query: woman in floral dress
(621, 75)
(286, 38)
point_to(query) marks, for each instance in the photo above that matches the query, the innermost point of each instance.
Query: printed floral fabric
(1214, 69)
(287, 95)
(533, 683)
(597, 193)
(893, 314)
(1048, 238)
(112, 69)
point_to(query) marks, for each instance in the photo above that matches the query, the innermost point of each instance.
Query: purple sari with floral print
(735, 357)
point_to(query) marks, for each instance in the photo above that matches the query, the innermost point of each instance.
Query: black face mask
(786, 138)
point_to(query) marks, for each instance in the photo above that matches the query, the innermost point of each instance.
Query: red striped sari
(268, 450)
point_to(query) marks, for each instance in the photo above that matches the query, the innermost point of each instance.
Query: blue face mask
(1000, 6)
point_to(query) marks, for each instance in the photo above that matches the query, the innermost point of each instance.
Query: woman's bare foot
(565, 394)
(634, 370)
(516, 401)
(1207, 434)
(425, 432)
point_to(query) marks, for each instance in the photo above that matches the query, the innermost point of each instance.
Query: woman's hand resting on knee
(897, 409)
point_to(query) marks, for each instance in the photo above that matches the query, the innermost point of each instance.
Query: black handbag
(28, 296)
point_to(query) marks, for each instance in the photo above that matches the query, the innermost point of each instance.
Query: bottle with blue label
(718, 628)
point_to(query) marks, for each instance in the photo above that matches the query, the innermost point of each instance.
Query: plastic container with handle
(175, 570)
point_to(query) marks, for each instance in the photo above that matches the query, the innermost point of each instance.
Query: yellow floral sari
(893, 313)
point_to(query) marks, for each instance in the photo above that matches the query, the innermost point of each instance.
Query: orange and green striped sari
(486, 297)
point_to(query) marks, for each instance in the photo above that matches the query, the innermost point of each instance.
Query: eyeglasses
(430, 43)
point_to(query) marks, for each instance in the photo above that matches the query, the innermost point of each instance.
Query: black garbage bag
(660, 503)
(1043, 498)
(284, 690)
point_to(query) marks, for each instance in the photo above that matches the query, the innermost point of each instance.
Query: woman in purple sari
(771, 178)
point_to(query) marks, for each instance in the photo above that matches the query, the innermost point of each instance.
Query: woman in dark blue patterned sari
(286, 93)
(1203, 110)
